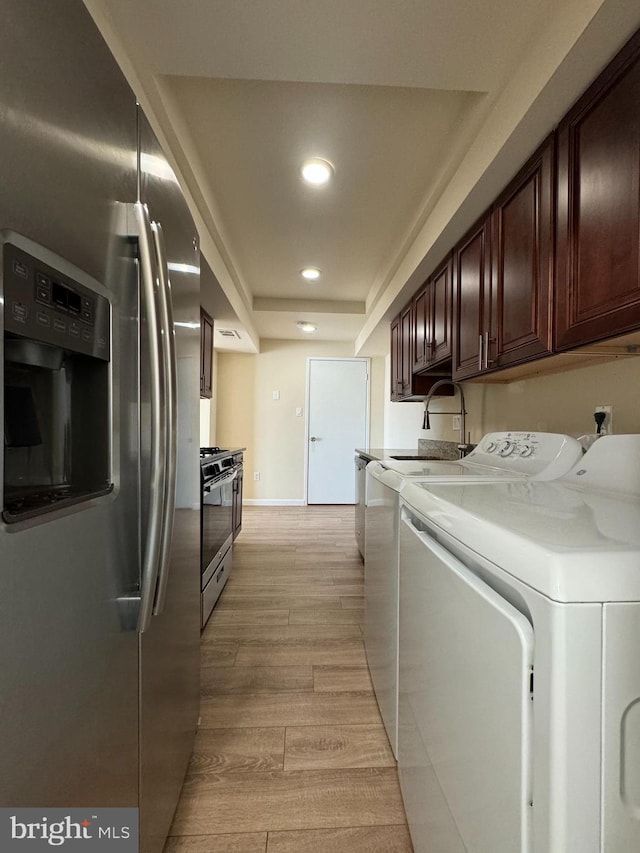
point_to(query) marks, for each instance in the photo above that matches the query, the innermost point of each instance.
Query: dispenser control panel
(44, 304)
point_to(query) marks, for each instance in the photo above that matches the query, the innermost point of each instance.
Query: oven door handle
(224, 481)
(168, 343)
(149, 288)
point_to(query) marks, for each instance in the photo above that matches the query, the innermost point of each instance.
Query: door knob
(313, 438)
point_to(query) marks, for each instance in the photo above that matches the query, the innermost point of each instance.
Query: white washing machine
(519, 681)
(503, 456)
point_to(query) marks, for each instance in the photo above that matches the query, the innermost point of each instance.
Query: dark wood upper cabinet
(441, 312)
(431, 337)
(598, 218)
(554, 264)
(206, 354)
(405, 384)
(406, 353)
(421, 335)
(503, 276)
(471, 300)
(522, 226)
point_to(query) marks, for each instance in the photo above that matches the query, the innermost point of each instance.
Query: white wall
(561, 402)
(402, 421)
(274, 437)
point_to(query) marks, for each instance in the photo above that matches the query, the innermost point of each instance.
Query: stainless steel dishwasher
(361, 465)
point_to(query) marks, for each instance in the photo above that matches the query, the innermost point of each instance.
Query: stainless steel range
(219, 470)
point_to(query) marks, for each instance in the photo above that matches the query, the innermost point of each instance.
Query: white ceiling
(425, 108)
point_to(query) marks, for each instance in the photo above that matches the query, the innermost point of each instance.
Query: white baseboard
(274, 502)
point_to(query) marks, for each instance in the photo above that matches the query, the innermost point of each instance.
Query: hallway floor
(291, 754)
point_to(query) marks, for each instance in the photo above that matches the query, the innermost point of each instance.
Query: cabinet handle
(487, 360)
(479, 352)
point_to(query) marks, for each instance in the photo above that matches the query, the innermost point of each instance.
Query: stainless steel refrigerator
(99, 536)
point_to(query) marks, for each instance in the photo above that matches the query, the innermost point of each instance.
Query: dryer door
(464, 738)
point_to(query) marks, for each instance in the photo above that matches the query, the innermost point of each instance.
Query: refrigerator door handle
(170, 408)
(151, 553)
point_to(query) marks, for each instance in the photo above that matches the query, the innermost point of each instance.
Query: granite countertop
(427, 449)
(378, 454)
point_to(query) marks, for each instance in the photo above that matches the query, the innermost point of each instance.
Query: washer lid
(567, 542)
(507, 455)
(447, 469)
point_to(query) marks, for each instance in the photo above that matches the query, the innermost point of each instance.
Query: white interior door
(337, 423)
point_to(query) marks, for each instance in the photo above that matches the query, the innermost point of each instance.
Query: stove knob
(507, 448)
(527, 450)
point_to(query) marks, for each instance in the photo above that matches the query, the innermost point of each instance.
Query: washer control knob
(527, 450)
(507, 448)
(491, 446)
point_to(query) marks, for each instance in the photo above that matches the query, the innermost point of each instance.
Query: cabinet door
(206, 354)
(406, 355)
(441, 294)
(422, 328)
(396, 361)
(598, 229)
(472, 303)
(405, 384)
(521, 265)
(237, 504)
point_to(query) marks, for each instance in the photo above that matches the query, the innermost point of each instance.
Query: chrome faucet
(464, 447)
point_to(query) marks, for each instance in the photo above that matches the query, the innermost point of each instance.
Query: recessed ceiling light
(306, 327)
(310, 273)
(317, 171)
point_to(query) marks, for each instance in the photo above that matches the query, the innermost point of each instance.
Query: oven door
(217, 522)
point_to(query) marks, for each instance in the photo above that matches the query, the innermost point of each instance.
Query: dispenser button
(19, 311)
(43, 319)
(20, 269)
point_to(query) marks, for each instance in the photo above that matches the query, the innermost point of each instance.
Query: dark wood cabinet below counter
(236, 507)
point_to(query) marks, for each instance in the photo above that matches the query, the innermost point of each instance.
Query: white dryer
(499, 456)
(519, 678)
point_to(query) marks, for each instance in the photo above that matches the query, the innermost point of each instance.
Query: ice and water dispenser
(55, 385)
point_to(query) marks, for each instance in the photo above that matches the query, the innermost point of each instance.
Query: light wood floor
(291, 755)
